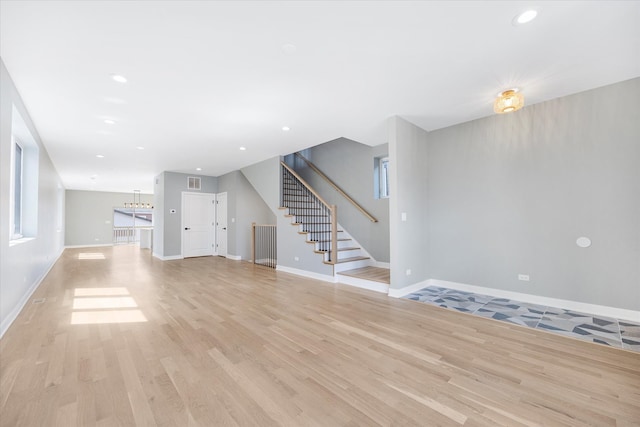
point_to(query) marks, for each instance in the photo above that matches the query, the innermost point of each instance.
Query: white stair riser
(350, 265)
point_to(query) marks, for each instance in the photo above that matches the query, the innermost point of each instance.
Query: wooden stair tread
(374, 274)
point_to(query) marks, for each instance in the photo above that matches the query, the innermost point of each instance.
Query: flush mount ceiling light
(198, 169)
(289, 48)
(118, 78)
(508, 101)
(110, 122)
(100, 156)
(525, 17)
(286, 128)
(243, 148)
(140, 148)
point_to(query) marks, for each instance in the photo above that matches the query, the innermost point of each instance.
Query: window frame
(383, 178)
(16, 213)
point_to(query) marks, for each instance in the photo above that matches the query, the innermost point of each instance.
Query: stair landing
(374, 274)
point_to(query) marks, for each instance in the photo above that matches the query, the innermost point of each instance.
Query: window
(384, 177)
(18, 166)
(23, 186)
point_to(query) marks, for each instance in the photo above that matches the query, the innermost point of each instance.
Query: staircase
(317, 222)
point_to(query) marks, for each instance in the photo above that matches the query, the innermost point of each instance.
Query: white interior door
(198, 217)
(221, 224)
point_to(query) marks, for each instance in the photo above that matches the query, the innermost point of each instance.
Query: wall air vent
(193, 183)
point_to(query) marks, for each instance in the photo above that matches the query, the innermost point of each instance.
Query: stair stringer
(295, 254)
(345, 240)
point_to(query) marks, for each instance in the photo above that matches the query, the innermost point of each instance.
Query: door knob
(187, 228)
(224, 228)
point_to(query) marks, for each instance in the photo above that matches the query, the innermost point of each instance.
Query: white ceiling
(205, 78)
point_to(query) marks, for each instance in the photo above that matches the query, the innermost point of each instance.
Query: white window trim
(12, 193)
(383, 177)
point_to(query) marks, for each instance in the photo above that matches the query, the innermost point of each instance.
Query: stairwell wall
(350, 165)
(244, 206)
(293, 251)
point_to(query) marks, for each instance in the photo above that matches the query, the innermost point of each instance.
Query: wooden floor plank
(230, 343)
(376, 274)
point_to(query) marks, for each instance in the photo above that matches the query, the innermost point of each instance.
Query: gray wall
(159, 212)
(407, 167)
(23, 265)
(244, 206)
(510, 194)
(169, 226)
(350, 165)
(265, 179)
(89, 215)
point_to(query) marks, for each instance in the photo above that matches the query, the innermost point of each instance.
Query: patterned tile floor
(597, 329)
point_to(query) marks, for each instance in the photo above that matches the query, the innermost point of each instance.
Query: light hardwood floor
(376, 274)
(230, 343)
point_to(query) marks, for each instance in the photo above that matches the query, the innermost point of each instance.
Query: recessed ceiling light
(198, 169)
(118, 78)
(140, 148)
(118, 101)
(289, 48)
(100, 156)
(286, 128)
(243, 148)
(525, 17)
(110, 122)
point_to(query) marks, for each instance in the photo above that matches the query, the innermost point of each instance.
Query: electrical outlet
(408, 272)
(295, 258)
(523, 277)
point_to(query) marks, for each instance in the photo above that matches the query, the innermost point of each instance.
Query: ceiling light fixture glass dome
(508, 101)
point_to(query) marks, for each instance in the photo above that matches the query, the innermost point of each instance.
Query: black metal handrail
(312, 214)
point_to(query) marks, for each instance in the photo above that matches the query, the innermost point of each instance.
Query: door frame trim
(226, 194)
(182, 218)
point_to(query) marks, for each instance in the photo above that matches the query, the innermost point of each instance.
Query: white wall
(24, 265)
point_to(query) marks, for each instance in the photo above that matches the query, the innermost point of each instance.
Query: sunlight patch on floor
(106, 305)
(91, 255)
(92, 292)
(103, 303)
(107, 316)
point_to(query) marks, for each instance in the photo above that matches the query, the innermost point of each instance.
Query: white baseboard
(100, 245)
(364, 284)
(583, 307)
(400, 292)
(304, 273)
(234, 257)
(13, 315)
(379, 264)
(167, 258)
